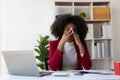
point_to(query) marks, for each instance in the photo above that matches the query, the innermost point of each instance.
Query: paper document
(100, 77)
(82, 72)
(60, 73)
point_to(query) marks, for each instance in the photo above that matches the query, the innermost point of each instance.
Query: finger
(74, 34)
(70, 31)
(70, 34)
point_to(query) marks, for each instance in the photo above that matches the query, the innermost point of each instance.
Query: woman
(69, 51)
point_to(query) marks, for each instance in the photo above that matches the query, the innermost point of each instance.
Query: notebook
(22, 63)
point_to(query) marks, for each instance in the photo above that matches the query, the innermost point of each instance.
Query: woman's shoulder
(54, 41)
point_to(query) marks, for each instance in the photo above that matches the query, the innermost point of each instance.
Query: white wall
(0, 33)
(116, 28)
(23, 21)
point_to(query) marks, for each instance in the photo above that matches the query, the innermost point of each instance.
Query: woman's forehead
(71, 25)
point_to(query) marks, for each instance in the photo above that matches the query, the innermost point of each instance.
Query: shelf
(82, 3)
(88, 39)
(100, 3)
(98, 21)
(99, 37)
(63, 3)
(102, 39)
(101, 58)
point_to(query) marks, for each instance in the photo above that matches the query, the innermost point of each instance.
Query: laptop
(22, 63)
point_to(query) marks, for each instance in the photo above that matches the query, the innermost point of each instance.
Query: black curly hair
(57, 28)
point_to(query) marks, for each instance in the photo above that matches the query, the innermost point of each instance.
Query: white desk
(13, 77)
(70, 77)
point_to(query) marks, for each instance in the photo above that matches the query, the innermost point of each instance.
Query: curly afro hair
(57, 28)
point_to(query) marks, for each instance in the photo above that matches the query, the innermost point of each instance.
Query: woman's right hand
(65, 37)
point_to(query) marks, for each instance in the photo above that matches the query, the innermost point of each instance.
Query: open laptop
(22, 63)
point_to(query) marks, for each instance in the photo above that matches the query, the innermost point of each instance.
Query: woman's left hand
(78, 42)
(76, 37)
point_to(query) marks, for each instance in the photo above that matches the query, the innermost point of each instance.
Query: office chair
(46, 60)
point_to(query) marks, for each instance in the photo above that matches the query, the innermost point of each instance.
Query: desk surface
(70, 77)
(13, 77)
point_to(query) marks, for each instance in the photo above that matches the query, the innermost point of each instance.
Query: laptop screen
(21, 63)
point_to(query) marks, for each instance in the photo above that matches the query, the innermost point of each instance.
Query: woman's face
(68, 27)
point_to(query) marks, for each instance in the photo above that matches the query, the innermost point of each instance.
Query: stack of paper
(100, 77)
